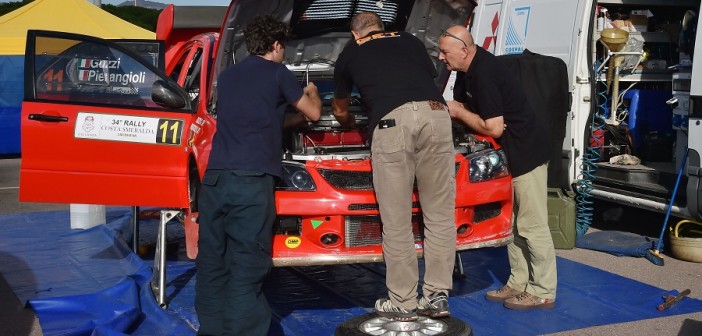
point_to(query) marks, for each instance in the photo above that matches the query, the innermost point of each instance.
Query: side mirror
(164, 94)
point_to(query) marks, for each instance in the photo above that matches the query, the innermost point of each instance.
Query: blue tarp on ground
(87, 281)
(11, 95)
(617, 243)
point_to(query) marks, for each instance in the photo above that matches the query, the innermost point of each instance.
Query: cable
(584, 204)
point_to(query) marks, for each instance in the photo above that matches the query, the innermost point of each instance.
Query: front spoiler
(337, 259)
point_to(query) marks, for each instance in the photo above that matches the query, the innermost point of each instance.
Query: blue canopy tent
(58, 15)
(11, 93)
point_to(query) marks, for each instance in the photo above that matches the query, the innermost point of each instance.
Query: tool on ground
(654, 256)
(669, 300)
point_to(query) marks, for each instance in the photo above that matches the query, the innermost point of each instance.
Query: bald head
(462, 34)
(366, 22)
(456, 48)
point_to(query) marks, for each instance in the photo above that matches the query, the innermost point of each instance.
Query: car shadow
(15, 316)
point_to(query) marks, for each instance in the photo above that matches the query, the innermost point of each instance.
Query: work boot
(525, 301)
(385, 308)
(435, 305)
(502, 294)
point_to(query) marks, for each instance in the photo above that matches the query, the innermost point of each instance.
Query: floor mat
(83, 280)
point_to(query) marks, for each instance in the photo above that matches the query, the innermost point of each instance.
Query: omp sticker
(112, 127)
(517, 30)
(194, 128)
(316, 223)
(293, 242)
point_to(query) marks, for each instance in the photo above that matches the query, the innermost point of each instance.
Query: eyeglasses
(446, 33)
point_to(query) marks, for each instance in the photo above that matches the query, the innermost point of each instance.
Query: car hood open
(321, 28)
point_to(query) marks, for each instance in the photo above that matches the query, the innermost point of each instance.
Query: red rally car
(105, 122)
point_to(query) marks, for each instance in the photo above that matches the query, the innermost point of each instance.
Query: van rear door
(555, 28)
(547, 27)
(100, 125)
(694, 140)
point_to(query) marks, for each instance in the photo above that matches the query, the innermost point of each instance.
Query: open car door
(101, 125)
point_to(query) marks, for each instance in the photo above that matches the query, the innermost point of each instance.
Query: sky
(176, 2)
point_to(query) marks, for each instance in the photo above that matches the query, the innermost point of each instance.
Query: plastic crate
(648, 113)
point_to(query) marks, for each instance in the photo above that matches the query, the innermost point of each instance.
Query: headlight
(487, 165)
(296, 177)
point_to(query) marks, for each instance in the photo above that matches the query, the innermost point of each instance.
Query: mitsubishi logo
(489, 40)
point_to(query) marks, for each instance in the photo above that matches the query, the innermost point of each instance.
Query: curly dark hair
(262, 32)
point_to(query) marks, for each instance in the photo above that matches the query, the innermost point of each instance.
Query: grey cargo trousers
(420, 146)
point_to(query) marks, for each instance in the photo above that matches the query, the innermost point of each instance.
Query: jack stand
(458, 267)
(158, 281)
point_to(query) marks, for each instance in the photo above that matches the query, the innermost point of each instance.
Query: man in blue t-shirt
(236, 201)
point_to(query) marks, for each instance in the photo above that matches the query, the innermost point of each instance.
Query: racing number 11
(52, 78)
(169, 131)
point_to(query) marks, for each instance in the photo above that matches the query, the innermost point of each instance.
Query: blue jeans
(237, 211)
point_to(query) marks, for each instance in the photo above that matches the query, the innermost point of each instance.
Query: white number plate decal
(128, 128)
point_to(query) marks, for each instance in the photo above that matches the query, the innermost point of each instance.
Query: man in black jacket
(490, 101)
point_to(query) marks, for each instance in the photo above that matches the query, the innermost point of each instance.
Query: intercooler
(367, 230)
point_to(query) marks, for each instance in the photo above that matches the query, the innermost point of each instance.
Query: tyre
(373, 324)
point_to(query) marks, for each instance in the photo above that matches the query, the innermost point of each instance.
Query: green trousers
(532, 257)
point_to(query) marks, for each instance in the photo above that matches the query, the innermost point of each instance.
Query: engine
(325, 139)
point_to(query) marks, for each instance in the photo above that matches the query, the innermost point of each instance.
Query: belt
(437, 105)
(433, 104)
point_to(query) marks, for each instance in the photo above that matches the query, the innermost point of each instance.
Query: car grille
(373, 206)
(351, 180)
(484, 212)
(367, 230)
(356, 180)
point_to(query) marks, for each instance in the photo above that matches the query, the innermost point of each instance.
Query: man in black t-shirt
(236, 202)
(411, 138)
(490, 101)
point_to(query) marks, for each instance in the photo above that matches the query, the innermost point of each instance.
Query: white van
(654, 78)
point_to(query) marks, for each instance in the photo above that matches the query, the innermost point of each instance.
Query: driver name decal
(97, 126)
(98, 63)
(106, 71)
(111, 77)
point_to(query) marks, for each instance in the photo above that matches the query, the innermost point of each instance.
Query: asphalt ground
(17, 320)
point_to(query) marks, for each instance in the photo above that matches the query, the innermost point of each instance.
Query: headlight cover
(487, 165)
(296, 178)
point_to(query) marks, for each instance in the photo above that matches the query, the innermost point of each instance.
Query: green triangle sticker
(316, 223)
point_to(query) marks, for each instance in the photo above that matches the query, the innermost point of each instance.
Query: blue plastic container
(648, 113)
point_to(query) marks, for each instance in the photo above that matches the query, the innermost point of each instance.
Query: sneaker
(525, 301)
(386, 309)
(435, 306)
(502, 294)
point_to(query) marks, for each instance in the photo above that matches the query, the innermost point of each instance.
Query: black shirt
(251, 100)
(489, 90)
(389, 69)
